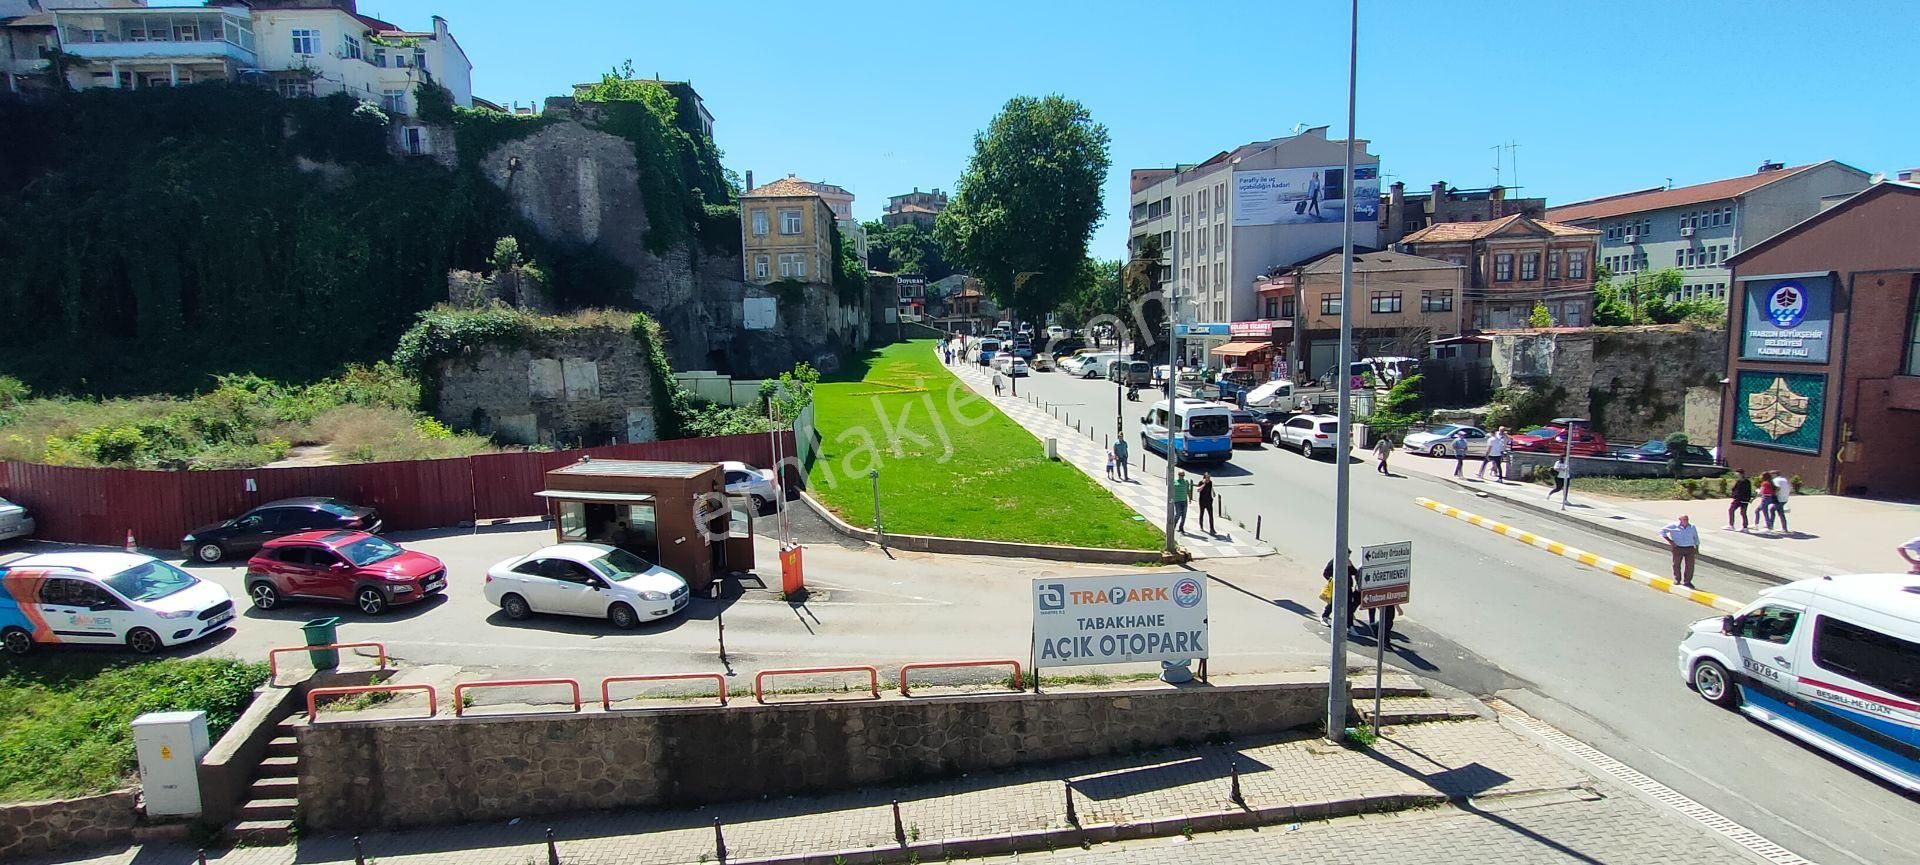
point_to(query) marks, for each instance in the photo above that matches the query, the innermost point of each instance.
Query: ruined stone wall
(33, 828)
(588, 386)
(1635, 383)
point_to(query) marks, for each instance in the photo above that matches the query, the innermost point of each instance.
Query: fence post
(1256, 525)
(1234, 794)
(1073, 816)
(719, 843)
(899, 829)
(553, 853)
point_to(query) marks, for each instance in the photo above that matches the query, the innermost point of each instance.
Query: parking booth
(676, 515)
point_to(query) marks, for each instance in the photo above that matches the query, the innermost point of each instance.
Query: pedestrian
(1742, 495)
(1380, 622)
(1207, 522)
(1110, 465)
(1911, 552)
(1764, 513)
(1459, 445)
(1496, 455)
(1381, 450)
(1684, 539)
(997, 383)
(1561, 476)
(1353, 595)
(1120, 456)
(1182, 490)
(1782, 488)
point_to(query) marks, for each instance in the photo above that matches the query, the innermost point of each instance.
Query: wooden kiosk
(676, 515)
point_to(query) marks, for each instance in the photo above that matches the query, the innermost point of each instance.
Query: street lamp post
(1337, 663)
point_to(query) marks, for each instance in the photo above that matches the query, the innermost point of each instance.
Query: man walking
(1496, 455)
(1382, 449)
(1742, 495)
(1459, 445)
(1353, 595)
(1684, 539)
(1182, 490)
(1120, 456)
(1207, 523)
(1782, 488)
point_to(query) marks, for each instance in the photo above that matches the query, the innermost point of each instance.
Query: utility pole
(1337, 662)
(1173, 376)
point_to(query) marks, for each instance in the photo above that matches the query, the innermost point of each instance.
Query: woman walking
(1764, 514)
(1382, 449)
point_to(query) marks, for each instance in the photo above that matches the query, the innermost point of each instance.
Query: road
(1588, 652)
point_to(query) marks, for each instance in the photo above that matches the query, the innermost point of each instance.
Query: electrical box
(170, 745)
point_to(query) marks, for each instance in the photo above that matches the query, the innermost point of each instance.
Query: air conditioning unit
(1686, 231)
(1633, 238)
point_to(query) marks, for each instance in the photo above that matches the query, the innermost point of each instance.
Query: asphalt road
(1591, 653)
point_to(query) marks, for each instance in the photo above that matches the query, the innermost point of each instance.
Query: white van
(1201, 430)
(1094, 364)
(1833, 661)
(122, 599)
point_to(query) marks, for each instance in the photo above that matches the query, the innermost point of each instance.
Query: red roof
(1461, 232)
(785, 187)
(1658, 198)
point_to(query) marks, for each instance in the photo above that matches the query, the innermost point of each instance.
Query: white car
(593, 580)
(1017, 367)
(1309, 434)
(14, 521)
(1438, 441)
(122, 599)
(756, 484)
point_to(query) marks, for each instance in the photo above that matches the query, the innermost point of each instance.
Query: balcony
(157, 34)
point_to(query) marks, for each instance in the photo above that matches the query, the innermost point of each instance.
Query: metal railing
(1019, 684)
(606, 698)
(313, 696)
(460, 690)
(760, 678)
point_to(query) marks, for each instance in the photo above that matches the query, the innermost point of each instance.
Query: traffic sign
(1386, 574)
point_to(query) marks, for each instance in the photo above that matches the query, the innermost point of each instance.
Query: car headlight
(175, 614)
(400, 589)
(653, 596)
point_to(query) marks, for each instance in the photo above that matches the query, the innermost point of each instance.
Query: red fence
(99, 506)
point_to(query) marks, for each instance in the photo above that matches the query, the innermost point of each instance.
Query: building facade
(1698, 228)
(1513, 264)
(914, 208)
(840, 201)
(1823, 349)
(1402, 302)
(1226, 222)
(1404, 213)
(786, 234)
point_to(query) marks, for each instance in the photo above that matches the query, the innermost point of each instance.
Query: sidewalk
(1145, 493)
(1831, 534)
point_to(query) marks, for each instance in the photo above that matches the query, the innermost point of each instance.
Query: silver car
(14, 521)
(1438, 441)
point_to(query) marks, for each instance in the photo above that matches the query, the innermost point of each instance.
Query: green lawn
(64, 716)
(950, 463)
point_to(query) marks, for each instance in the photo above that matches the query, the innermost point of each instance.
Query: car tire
(623, 617)
(760, 505)
(209, 554)
(16, 641)
(1715, 684)
(263, 595)
(143, 641)
(369, 600)
(515, 607)
(1437, 451)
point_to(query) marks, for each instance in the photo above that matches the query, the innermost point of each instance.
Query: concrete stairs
(1403, 700)
(273, 801)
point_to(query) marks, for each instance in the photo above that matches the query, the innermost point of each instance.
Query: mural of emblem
(1777, 411)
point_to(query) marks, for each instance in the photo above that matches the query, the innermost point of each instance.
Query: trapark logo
(1119, 595)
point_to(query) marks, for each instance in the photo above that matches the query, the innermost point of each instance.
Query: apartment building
(840, 201)
(1402, 302)
(1513, 264)
(1224, 223)
(1403, 213)
(785, 233)
(1697, 228)
(916, 208)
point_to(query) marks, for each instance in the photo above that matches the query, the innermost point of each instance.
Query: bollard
(553, 853)
(1073, 817)
(899, 829)
(359, 856)
(1234, 794)
(719, 843)
(203, 856)
(1256, 525)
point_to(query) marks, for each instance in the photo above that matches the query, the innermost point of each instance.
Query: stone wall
(586, 386)
(32, 828)
(1635, 383)
(383, 774)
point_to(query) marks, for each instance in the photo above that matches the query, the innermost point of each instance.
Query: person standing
(1120, 456)
(1110, 465)
(1911, 552)
(1764, 513)
(1782, 488)
(1742, 495)
(1561, 476)
(1459, 445)
(1684, 539)
(997, 383)
(1182, 490)
(1496, 455)
(1381, 450)
(1207, 522)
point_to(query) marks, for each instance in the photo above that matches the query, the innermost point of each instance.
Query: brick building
(1402, 213)
(1401, 303)
(1514, 263)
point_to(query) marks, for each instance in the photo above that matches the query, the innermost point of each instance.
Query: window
(1220, 239)
(393, 101)
(1913, 330)
(1220, 275)
(420, 58)
(760, 223)
(349, 48)
(1679, 257)
(295, 88)
(1220, 198)
(1186, 243)
(186, 33)
(793, 265)
(1576, 265)
(789, 222)
(1553, 265)
(1200, 241)
(379, 56)
(1867, 656)
(1726, 215)
(305, 40)
(1272, 307)
(1503, 267)
(1330, 304)
(1203, 202)
(1530, 266)
(1573, 310)
(1385, 301)
(1287, 307)
(760, 267)
(1723, 251)
(416, 140)
(1436, 301)
(1691, 253)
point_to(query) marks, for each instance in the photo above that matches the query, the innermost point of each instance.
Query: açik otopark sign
(1119, 619)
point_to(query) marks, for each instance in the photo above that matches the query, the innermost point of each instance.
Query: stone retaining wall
(33, 828)
(388, 774)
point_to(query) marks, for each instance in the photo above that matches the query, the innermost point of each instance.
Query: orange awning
(1241, 349)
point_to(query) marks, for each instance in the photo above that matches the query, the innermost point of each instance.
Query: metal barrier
(1019, 684)
(313, 696)
(606, 698)
(759, 679)
(459, 690)
(273, 655)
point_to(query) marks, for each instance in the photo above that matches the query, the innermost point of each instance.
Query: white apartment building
(1226, 222)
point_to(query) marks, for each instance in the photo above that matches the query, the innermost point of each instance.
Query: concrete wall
(32, 828)
(1635, 383)
(397, 773)
(583, 386)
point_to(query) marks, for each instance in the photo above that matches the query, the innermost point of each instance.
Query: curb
(1616, 531)
(1005, 549)
(1623, 571)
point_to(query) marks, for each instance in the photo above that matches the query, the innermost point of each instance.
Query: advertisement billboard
(1120, 619)
(1788, 319)
(1304, 196)
(1785, 410)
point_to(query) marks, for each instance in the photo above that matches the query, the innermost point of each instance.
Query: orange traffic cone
(131, 548)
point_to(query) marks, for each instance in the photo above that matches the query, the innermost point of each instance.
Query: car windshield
(619, 565)
(1542, 432)
(335, 508)
(150, 582)
(1243, 417)
(368, 550)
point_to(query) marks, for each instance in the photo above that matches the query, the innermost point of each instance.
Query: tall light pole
(1337, 663)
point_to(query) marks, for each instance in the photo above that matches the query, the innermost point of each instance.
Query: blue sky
(1601, 97)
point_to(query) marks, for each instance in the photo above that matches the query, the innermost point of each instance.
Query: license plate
(436, 584)
(221, 619)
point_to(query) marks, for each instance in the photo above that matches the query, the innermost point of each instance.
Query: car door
(1763, 643)
(1298, 430)
(575, 589)
(294, 564)
(253, 529)
(531, 583)
(1476, 441)
(333, 576)
(67, 606)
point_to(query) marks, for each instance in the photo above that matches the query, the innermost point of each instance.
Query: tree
(58, 64)
(1096, 292)
(1609, 309)
(1023, 210)
(1541, 318)
(1143, 317)
(906, 248)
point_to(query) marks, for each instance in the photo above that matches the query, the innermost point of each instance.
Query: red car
(1552, 439)
(1245, 429)
(365, 570)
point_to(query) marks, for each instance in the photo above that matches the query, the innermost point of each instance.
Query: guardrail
(313, 696)
(1019, 684)
(760, 678)
(459, 690)
(606, 698)
(273, 655)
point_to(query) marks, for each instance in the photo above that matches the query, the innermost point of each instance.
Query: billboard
(1303, 196)
(1784, 410)
(1120, 619)
(1788, 319)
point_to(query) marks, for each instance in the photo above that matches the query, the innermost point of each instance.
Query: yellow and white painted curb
(1618, 569)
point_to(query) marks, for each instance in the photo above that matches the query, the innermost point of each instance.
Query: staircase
(273, 801)
(1403, 700)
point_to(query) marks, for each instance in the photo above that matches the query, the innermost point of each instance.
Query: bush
(1521, 407)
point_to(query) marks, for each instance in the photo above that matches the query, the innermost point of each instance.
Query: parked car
(1551, 438)
(248, 532)
(368, 571)
(1055, 331)
(15, 522)
(1065, 346)
(593, 580)
(1129, 372)
(1017, 367)
(1245, 429)
(1268, 418)
(123, 599)
(1041, 362)
(1229, 387)
(1656, 451)
(1310, 434)
(755, 484)
(1438, 442)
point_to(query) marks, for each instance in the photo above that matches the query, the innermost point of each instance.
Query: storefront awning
(592, 496)
(1241, 349)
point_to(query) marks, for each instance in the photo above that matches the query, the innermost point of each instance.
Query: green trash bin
(322, 632)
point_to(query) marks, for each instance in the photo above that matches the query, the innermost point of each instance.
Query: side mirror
(337, 566)
(596, 583)
(1726, 625)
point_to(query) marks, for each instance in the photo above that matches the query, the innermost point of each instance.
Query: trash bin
(322, 632)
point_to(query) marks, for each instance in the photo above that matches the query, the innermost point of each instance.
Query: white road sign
(1386, 574)
(1119, 619)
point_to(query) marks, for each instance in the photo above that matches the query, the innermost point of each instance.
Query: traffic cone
(131, 548)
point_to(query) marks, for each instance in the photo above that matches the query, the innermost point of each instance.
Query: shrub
(13, 391)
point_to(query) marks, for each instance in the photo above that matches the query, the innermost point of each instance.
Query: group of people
(1185, 490)
(1774, 489)
(1379, 621)
(1117, 461)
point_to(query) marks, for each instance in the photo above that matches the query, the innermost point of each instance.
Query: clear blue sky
(1601, 97)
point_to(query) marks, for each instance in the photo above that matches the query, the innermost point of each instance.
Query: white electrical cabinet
(170, 745)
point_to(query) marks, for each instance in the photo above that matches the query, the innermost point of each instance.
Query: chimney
(749, 180)
(1498, 194)
(1396, 195)
(1439, 195)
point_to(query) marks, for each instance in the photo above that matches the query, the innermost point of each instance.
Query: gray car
(14, 521)
(1438, 441)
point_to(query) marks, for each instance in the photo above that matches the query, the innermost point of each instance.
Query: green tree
(1096, 292)
(1540, 318)
(905, 248)
(1023, 210)
(1609, 308)
(1143, 316)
